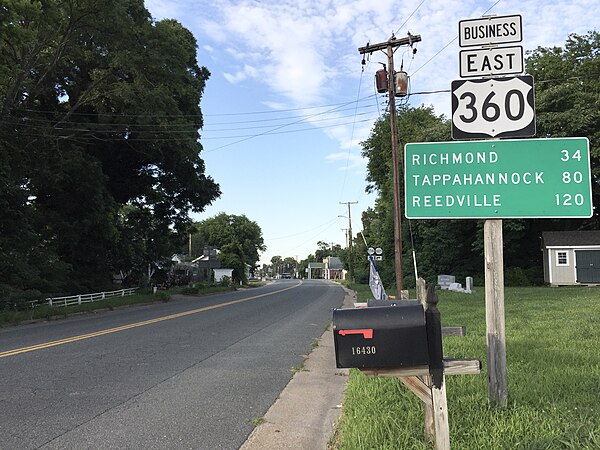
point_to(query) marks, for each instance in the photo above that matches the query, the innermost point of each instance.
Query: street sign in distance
(520, 178)
(490, 30)
(493, 108)
(491, 61)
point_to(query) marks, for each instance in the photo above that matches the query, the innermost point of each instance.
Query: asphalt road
(194, 373)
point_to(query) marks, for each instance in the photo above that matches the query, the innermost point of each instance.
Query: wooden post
(432, 392)
(426, 379)
(494, 313)
(436, 369)
(389, 47)
(440, 416)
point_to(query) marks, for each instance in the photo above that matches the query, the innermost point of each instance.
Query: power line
(200, 116)
(411, 14)
(455, 38)
(150, 128)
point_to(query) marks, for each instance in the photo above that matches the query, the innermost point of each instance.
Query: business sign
(521, 178)
(493, 108)
(491, 61)
(490, 30)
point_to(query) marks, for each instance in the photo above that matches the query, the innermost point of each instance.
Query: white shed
(220, 273)
(571, 257)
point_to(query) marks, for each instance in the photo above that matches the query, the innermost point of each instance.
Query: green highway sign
(516, 178)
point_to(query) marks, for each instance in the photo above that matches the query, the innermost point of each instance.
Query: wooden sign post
(494, 312)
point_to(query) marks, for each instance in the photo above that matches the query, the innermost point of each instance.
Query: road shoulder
(304, 415)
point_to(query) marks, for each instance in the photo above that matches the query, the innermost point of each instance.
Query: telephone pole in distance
(350, 265)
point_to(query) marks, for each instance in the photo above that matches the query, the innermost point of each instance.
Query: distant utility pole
(345, 230)
(350, 265)
(389, 46)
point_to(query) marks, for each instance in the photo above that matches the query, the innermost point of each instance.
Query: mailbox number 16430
(368, 350)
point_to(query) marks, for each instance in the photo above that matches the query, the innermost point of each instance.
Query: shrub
(190, 290)
(515, 276)
(163, 296)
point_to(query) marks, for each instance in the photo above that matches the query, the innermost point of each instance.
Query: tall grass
(553, 370)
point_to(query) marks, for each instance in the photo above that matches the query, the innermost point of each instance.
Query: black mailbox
(381, 336)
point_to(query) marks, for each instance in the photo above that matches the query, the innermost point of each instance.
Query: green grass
(553, 370)
(44, 312)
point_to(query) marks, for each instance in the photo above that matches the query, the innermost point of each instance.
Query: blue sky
(288, 102)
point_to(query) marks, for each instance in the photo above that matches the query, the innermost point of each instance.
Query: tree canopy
(238, 238)
(99, 160)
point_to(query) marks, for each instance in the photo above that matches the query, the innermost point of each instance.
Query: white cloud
(304, 52)
(348, 161)
(161, 9)
(241, 75)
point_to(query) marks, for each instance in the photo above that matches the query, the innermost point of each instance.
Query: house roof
(570, 238)
(334, 262)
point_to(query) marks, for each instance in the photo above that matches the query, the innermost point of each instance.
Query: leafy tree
(324, 250)
(567, 96)
(289, 265)
(239, 240)
(99, 110)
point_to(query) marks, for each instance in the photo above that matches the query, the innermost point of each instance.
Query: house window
(562, 259)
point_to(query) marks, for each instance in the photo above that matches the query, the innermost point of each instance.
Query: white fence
(87, 298)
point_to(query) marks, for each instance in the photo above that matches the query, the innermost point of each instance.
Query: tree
(324, 250)
(99, 110)
(289, 265)
(567, 95)
(238, 239)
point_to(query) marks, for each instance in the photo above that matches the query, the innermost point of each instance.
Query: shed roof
(570, 238)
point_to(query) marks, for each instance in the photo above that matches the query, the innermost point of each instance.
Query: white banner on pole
(375, 283)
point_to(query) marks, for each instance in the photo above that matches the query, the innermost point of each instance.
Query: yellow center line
(81, 337)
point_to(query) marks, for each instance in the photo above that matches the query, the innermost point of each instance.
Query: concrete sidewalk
(304, 415)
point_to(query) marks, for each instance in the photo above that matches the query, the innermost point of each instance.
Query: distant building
(333, 268)
(206, 263)
(571, 257)
(315, 270)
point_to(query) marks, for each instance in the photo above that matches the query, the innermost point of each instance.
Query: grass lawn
(553, 359)
(45, 312)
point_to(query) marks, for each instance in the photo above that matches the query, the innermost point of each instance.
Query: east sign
(491, 61)
(521, 178)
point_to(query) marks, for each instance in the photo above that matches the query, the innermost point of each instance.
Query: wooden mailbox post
(422, 380)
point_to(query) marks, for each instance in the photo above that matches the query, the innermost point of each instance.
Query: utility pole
(389, 46)
(350, 265)
(345, 230)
